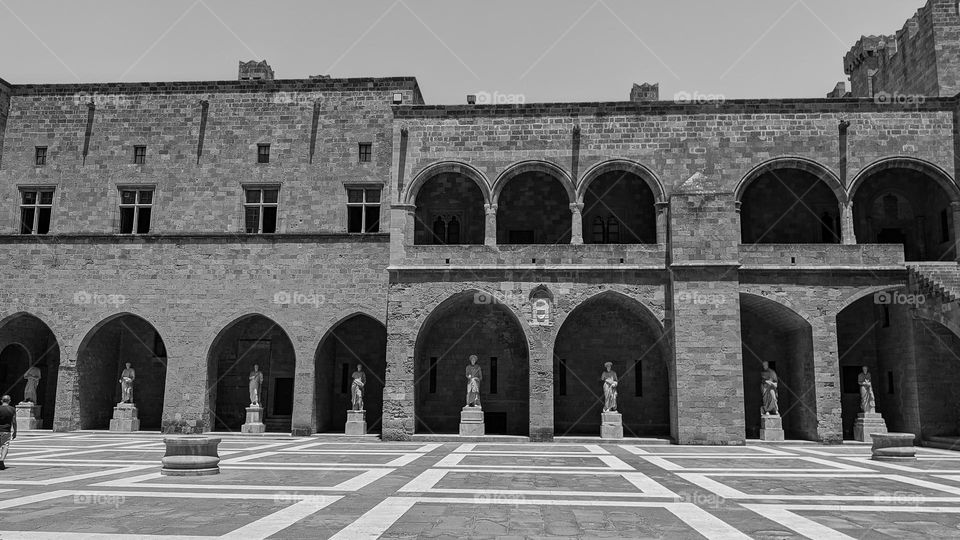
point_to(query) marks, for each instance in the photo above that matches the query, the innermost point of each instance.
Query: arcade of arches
(26, 341)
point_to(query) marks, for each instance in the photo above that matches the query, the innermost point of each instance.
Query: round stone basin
(191, 456)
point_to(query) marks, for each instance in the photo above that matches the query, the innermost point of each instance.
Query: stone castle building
(197, 228)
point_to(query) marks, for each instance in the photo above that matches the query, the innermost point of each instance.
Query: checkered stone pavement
(102, 485)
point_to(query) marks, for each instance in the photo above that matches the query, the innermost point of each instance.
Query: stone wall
(313, 127)
(922, 58)
(189, 289)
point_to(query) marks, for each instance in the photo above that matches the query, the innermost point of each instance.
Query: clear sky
(543, 50)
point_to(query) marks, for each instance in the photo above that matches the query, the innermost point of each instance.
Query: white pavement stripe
(424, 481)
(377, 520)
(706, 523)
(799, 524)
(280, 520)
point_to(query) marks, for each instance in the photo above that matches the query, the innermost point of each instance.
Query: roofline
(355, 83)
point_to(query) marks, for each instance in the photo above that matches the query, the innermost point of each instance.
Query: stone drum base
(611, 426)
(471, 422)
(254, 423)
(771, 427)
(191, 456)
(125, 418)
(356, 423)
(866, 424)
(28, 416)
(893, 447)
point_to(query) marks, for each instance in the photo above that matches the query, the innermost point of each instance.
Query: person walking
(8, 428)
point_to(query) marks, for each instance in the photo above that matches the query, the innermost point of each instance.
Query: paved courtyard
(100, 485)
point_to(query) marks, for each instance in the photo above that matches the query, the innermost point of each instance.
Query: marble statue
(356, 390)
(866, 391)
(256, 379)
(33, 380)
(768, 388)
(126, 384)
(474, 376)
(610, 382)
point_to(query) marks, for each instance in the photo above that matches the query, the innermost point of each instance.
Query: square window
(139, 155)
(40, 156)
(136, 207)
(363, 210)
(36, 210)
(261, 210)
(366, 149)
(263, 153)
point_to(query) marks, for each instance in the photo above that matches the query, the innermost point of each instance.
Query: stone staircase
(936, 279)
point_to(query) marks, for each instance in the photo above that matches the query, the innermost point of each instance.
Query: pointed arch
(528, 166)
(822, 172)
(933, 171)
(625, 165)
(442, 167)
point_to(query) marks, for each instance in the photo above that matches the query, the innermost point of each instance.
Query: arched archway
(450, 208)
(790, 201)
(619, 208)
(533, 205)
(465, 324)
(773, 333)
(904, 201)
(358, 339)
(27, 341)
(102, 357)
(251, 340)
(611, 328)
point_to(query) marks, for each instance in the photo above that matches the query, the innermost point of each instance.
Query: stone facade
(686, 243)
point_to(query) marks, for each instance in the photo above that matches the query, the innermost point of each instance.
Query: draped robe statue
(610, 382)
(33, 380)
(768, 389)
(126, 384)
(256, 379)
(474, 376)
(356, 389)
(866, 391)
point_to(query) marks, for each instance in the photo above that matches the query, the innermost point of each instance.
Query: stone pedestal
(866, 424)
(356, 423)
(611, 426)
(893, 447)
(471, 422)
(191, 456)
(28, 416)
(771, 427)
(125, 418)
(254, 423)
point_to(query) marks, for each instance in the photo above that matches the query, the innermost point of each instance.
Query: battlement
(645, 92)
(255, 71)
(922, 58)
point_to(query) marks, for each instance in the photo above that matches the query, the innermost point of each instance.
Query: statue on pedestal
(610, 382)
(866, 391)
(126, 384)
(474, 376)
(356, 390)
(33, 380)
(256, 379)
(768, 389)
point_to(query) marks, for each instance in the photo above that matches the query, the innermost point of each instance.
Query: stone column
(955, 231)
(663, 215)
(399, 412)
(703, 296)
(576, 231)
(848, 235)
(826, 380)
(541, 383)
(490, 225)
(304, 421)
